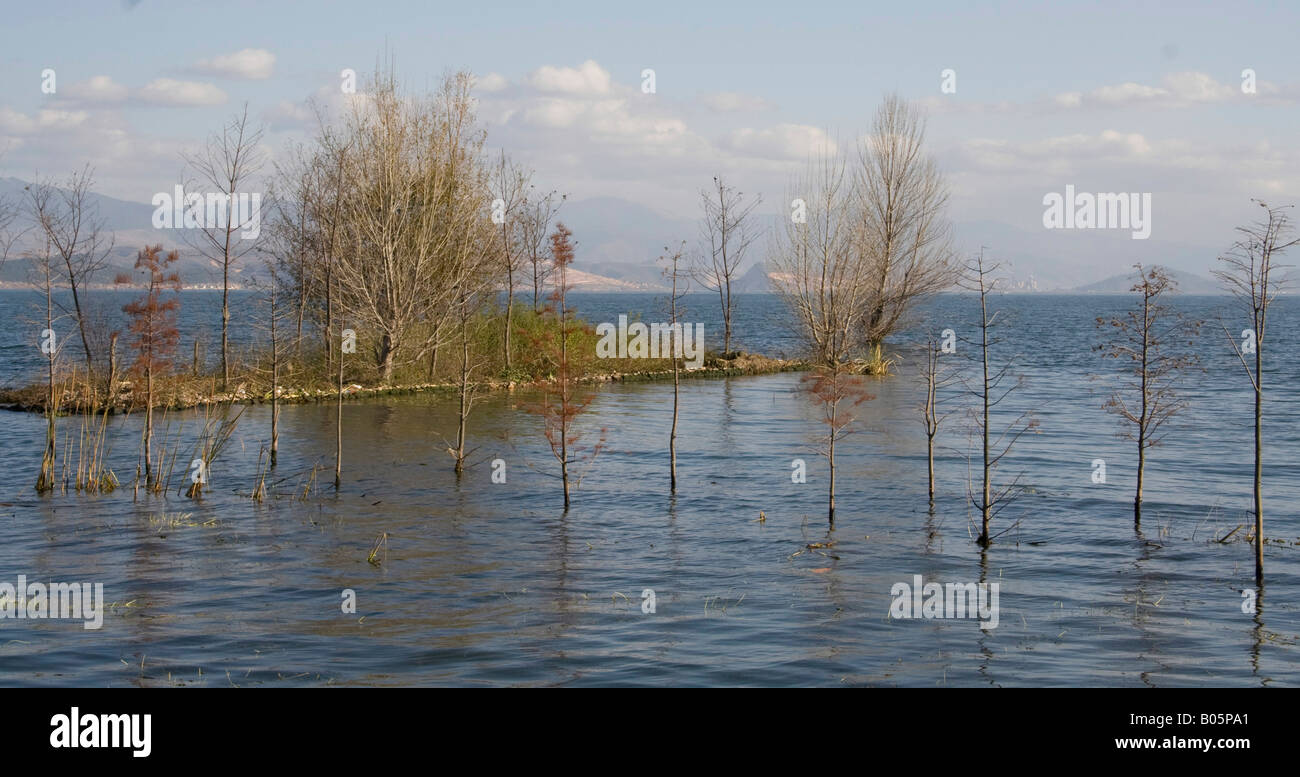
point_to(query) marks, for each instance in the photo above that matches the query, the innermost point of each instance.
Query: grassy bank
(306, 375)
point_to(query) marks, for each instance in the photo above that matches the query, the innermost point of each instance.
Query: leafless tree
(477, 284)
(338, 415)
(981, 277)
(69, 223)
(901, 232)
(680, 285)
(837, 393)
(331, 157)
(226, 165)
(292, 234)
(936, 377)
(814, 270)
(727, 232)
(43, 272)
(282, 344)
(510, 185)
(1152, 342)
(9, 231)
(536, 214)
(414, 211)
(1247, 271)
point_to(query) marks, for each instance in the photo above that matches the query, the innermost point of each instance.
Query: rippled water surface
(483, 583)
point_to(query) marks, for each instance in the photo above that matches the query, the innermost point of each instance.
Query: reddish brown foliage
(153, 319)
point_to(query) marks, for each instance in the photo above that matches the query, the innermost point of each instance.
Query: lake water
(483, 583)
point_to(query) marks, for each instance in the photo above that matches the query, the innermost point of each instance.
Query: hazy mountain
(1188, 283)
(118, 215)
(1062, 259)
(755, 280)
(623, 240)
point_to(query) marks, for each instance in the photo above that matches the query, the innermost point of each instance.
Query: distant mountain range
(619, 243)
(131, 225)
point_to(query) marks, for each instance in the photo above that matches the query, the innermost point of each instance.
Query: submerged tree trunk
(464, 387)
(338, 427)
(985, 506)
(672, 435)
(225, 320)
(275, 386)
(111, 383)
(930, 463)
(1143, 419)
(45, 480)
(148, 426)
(831, 459)
(510, 304)
(1259, 461)
(931, 420)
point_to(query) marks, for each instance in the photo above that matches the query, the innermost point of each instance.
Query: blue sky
(1107, 96)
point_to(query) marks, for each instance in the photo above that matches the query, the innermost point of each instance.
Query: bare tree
(536, 214)
(1152, 340)
(814, 270)
(1247, 272)
(9, 231)
(727, 232)
(837, 392)
(415, 196)
(43, 271)
(69, 222)
(329, 216)
(680, 285)
(981, 278)
(227, 164)
(292, 233)
(509, 191)
(282, 344)
(936, 377)
(338, 413)
(477, 284)
(902, 234)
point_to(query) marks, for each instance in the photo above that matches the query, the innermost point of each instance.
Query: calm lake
(491, 583)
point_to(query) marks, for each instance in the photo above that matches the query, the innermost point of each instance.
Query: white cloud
(99, 89)
(1114, 155)
(168, 91)
(588, 78)
(15, 123)
(735, 101)
(251, 64)
(288, 114)
(1177, 90)
(492, 82)
(784, 141)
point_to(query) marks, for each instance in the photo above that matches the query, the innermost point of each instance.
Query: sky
(1107, 97)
